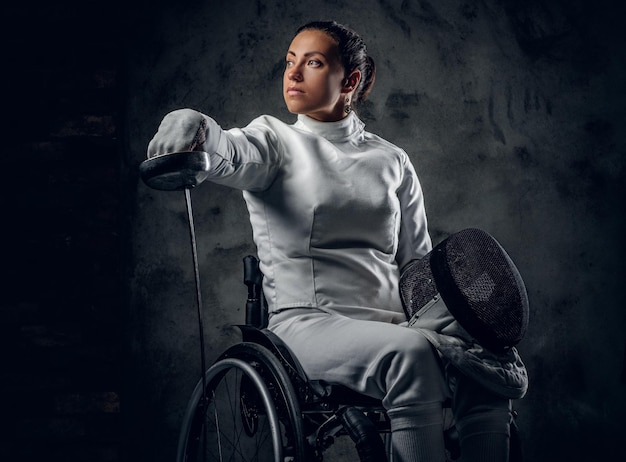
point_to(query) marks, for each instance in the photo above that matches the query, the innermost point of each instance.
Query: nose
(294, 74)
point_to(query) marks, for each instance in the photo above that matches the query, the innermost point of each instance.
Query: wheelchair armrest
(256, 305)
(251, 273)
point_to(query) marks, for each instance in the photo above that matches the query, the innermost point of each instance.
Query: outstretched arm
(240, 159)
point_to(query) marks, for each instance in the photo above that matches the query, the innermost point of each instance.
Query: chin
(294, 110)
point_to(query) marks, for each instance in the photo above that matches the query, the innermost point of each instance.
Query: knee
(412, 350)
(409, 356)
(471, 398)
(414, 375)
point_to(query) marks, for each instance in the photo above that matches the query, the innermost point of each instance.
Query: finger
(152, 152)
(200, 136)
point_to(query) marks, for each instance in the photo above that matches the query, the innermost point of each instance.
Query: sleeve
(246, 158)
(413, 240)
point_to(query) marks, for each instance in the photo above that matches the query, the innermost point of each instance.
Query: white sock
(417, 433)
(485, 437)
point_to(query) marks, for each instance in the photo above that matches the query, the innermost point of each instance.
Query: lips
(294, 91)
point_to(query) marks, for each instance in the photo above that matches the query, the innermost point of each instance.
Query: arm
(244, 159)
(414, 240)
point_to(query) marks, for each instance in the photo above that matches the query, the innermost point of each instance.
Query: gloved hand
(183, 130)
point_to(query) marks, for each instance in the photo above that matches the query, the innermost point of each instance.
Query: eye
(314, 63)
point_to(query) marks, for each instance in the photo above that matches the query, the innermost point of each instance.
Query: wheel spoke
(240, 421)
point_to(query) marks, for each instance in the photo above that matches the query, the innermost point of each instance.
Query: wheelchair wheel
(250, 412)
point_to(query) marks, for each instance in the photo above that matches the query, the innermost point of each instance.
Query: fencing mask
(479, 284)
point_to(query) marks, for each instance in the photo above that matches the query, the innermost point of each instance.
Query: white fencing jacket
(335, 211)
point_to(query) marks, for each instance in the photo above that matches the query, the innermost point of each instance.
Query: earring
(348, 108)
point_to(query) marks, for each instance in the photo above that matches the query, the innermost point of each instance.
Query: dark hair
(352, 51)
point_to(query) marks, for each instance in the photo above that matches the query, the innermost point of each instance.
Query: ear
(351, 82)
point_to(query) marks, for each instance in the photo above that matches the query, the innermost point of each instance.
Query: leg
(417, 433)
(483, 420)
(386, 361)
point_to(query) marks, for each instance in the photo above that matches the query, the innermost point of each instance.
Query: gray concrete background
(513, 114)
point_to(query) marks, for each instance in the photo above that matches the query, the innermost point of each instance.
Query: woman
(336, 212)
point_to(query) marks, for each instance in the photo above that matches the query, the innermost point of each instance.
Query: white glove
(185, 130)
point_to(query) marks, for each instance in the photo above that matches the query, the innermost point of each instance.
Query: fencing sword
(175, 172)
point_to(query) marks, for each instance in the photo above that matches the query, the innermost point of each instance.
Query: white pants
(386, 361)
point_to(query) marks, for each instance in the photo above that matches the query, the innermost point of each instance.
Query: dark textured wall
(513, 114)
(62, 303)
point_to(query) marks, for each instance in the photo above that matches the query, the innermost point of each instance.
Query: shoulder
(270, 127)
(392, 150)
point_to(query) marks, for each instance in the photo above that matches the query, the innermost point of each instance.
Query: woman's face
(314, 77)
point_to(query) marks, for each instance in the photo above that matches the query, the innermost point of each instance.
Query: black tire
(251, 412)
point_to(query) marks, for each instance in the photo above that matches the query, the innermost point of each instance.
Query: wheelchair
(259, 405)
(255, 402)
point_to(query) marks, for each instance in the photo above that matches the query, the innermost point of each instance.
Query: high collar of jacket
(346, 128)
